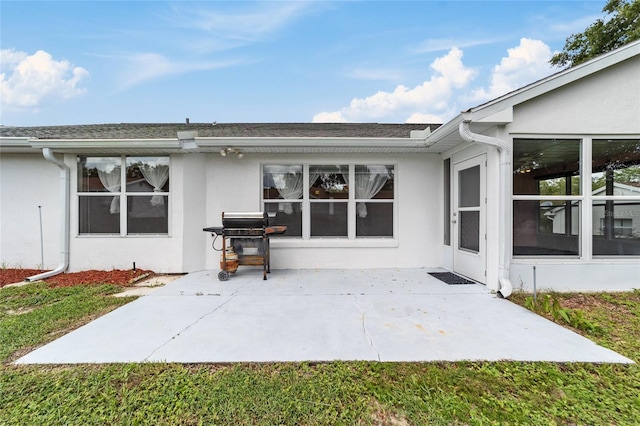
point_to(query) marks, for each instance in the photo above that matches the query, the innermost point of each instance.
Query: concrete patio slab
(319, 315)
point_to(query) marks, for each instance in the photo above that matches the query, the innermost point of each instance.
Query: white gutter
(312, 142)
(65, 178)
(506, 288)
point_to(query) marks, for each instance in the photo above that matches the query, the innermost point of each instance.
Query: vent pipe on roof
(65, 177)
(506, 288)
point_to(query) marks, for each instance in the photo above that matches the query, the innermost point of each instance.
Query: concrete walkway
(319, 315)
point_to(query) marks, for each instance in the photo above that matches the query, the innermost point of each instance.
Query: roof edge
(555, 80)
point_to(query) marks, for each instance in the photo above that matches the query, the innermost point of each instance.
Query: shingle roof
(169, 131)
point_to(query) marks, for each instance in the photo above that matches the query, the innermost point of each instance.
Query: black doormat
(450, 278)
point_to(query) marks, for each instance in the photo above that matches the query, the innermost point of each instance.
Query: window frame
(123, 195)
(568, 199)
(305, 239)
(586, 200)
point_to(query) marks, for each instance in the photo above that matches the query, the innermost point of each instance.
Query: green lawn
(310, 394)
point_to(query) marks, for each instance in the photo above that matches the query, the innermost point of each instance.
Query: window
(621, 227)
(331, 200)
(141, 207)
(329, 197)
(552, 193)
(546, 188)
(282, 191)
(615, 185)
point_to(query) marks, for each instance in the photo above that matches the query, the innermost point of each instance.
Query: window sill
(530, 260)
(123, 236)
(333, 243)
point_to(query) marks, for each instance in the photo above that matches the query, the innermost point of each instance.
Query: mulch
(116, 277)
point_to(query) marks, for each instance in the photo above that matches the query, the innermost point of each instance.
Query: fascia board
(193, 145)
(114, 145)
(555, 81)
(15, 145)
(314, 142)
(445, 130)
(14, 142)
(497, 111)
(500, 117)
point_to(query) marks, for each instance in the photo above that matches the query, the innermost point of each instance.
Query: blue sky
(90, 62)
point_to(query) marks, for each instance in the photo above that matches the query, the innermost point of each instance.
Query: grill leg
(268, 251)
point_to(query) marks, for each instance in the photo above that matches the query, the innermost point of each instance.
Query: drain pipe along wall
(504, 280)
(65, 177)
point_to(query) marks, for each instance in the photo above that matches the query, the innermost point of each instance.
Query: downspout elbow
(65, 177)
(469, 136)
(506, 288)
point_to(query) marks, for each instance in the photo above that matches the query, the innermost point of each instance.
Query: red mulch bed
(116, 277)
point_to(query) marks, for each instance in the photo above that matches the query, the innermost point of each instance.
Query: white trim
(585, 216)
(470, 263)
(586, 208)
(124, 195)
(548, 197)
(555, 81)
(326, 242)
(350, 202)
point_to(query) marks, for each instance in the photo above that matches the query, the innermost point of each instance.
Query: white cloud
(251, 24)
(329, 117)
(431, 98)
(245, 23)
(140, 68)
(27, 81)
(576, 26)
(206, 28)
(375, 74)
(525, 63)
(442, 44)
(419, 117)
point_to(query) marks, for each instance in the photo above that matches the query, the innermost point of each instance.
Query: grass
(337, 393)
(611, 319)
(33, 314)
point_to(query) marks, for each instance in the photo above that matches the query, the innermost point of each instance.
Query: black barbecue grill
(245, 241)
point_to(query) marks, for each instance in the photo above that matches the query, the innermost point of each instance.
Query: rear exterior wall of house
(29, 197)
(108, 231)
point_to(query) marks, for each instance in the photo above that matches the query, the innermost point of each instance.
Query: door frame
(470, 263)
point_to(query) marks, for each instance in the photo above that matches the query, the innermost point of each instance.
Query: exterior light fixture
(225, 151)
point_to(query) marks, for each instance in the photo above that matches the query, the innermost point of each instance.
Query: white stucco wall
(26, 182)
(622, 275)
(234, 185)
(604, 103)
(193, 196)
(163, 254)
(202, 186)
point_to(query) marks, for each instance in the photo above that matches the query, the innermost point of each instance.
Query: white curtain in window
(313, 176)
(368, 185)
(111, 182)
(290, 187)
(156, 176)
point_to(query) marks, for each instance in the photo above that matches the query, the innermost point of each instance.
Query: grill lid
(244, 219)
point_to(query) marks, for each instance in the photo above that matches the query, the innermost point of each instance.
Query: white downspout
(504, 280)
(65, 178)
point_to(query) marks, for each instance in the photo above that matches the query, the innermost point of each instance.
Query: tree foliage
(620, 26)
